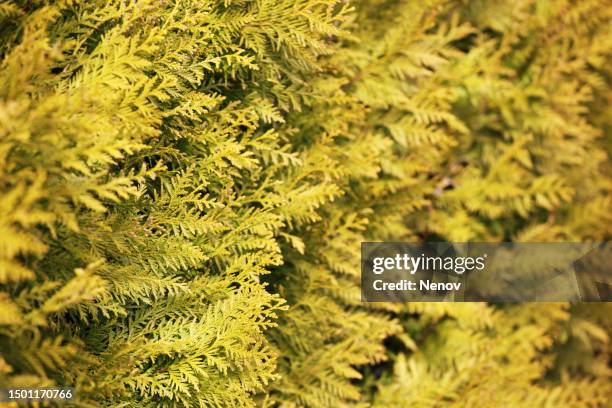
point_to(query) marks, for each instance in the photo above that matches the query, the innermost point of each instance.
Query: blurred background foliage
(184, 186)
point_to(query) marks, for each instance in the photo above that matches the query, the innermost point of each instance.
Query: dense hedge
(184, 186)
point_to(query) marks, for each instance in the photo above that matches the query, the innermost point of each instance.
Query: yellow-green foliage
(184, 186)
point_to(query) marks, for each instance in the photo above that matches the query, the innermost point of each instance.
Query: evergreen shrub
(184, 186)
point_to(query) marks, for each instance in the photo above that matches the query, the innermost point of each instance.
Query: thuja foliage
(185, 186)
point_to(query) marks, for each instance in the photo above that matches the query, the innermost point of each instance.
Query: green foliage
(184, 187)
